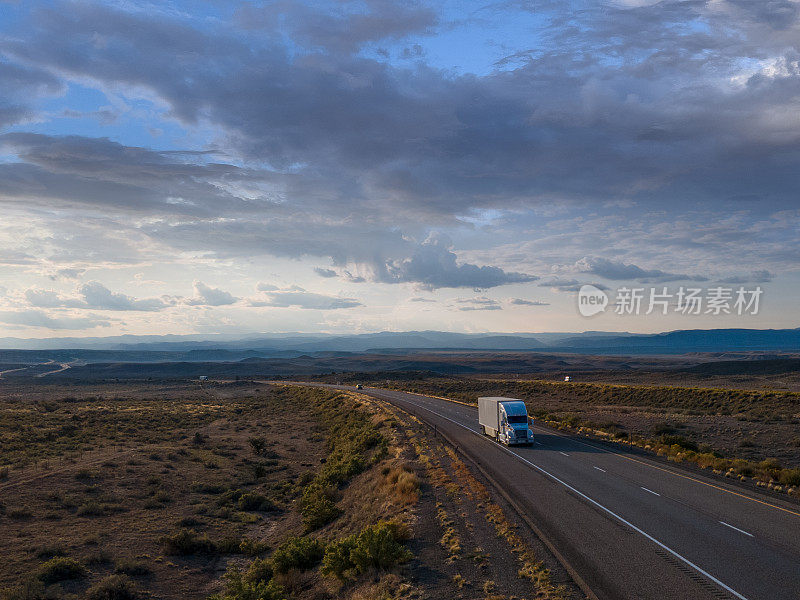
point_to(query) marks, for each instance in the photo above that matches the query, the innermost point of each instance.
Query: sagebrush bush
(376, 547)
(134, 568)
(247, 501)
(60, 569)
(297, 553)
(241, 586)
(317, 506)
(186, 542)
(113, 587)
(352, 437)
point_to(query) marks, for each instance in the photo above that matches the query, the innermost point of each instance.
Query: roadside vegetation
(749, 435)
(243, 491)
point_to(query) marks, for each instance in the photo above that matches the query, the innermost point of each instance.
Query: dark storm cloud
(97, 171)
(676, 104)
(344, 27)
(636, 102)
(18, 85)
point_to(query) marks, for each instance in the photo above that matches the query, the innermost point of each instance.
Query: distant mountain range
(229, 349)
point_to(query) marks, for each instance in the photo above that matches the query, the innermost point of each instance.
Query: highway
(630, 527)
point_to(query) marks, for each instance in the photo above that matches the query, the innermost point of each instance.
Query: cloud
(523, 302)
(39, 318)
(93, 295)
(433, 265)
(478, 303)
(567, 285)
(208, 296)
(419, 299)
(617, 270)
(325, 272)
(758, 276)
(297, 297)
(20, 84)
(67, 273)
(52, 299)
(97, 296)
(662, 128)
(343, 27)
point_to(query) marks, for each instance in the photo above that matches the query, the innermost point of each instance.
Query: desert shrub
(134, 568)
(260, 570)
(241, 586)
(32, 589)
(186, 542)
(664, 428)
(297, 553)
(51, 551)
(679, 440)
(789, 477)
(60, 569)
(337, 561)
(376, 547)
(245, 500)
(251, 547)
(405, 486)
(317, 506)
(113, 587)
(208, 488)
(162, 496)
(255, 501)
(258, 445)
(99, 557)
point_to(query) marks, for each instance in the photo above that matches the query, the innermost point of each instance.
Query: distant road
(631, 527)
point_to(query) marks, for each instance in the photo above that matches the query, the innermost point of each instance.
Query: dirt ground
(109, 476)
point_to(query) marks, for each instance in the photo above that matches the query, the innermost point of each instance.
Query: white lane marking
(599, 469)
(737, 529)
(564, 453)
(651, 491)
(601, 507)
(539, 443)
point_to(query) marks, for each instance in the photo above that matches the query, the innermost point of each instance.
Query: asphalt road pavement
(631, 527)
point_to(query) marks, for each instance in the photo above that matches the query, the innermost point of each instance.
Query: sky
(237, 166)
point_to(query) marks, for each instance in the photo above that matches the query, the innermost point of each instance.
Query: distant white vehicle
(505, 420)
(203, 377)
(566, 378)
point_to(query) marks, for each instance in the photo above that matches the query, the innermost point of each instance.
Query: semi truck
(505, 420)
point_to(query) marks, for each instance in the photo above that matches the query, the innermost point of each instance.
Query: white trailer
(505, 420)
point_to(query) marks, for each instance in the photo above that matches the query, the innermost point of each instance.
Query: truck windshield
(517, 419)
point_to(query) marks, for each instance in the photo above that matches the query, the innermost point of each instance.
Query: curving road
(632, 528)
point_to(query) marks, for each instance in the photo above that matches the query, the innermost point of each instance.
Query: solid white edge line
(564, 453)
(599, 469)
(651, 491)
(737, 529)
(601, 507)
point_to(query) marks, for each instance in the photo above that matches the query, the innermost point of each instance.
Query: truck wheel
(483, 430)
